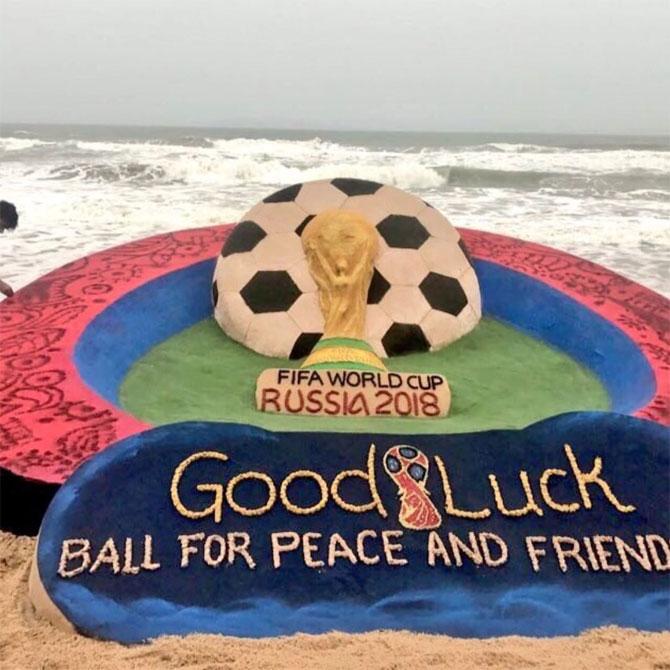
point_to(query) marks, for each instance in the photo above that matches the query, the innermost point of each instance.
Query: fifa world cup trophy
(340, 247)
(343, 376)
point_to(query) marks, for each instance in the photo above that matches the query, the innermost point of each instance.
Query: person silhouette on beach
(9, 219)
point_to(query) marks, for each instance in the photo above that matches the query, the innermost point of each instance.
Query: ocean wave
(213, 170)
(317, 153)
(186, 141)
(235, 147)
(610, 205)
(244, 161)
(467, 177)
(506, 147)
(403, 174)
(135, 172)
(523, 148)
(63, 219)
(21, 143)
(300, 151)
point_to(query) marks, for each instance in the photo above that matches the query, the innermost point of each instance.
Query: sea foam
(79, 192)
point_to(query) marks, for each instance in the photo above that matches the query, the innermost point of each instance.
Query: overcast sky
(472, 65)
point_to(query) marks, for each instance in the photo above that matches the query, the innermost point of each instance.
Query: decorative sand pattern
(43, 321)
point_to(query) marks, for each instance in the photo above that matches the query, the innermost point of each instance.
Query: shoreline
(27, 642)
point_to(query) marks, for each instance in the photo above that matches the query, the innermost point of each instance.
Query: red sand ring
(50, 421)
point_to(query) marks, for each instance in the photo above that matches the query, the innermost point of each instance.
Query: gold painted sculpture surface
(340, 247)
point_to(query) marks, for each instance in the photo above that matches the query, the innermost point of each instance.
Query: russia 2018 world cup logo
(408, 468)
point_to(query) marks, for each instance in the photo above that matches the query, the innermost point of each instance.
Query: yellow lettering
(604, 554)
(568, 552)
(338, 548)
(108, 555)
(641, 555)
(307, 474)
(309, 549)
(535, 552)
(147, 560)
(544, 489)
(128, 567)
(593, 477)
(471, 551)
(248, 511)
(530, 506)
(360, 547)
(279, 546)
(436, 548)
(660, 564)
(214, 560)
(71, 550)
(217, 489)
(390, 547)
(241, 548)
(187, 549)
(484, 539)
(368, 477)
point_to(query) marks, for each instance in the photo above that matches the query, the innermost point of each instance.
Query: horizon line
(663, 134)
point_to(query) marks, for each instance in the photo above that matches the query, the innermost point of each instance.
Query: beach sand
(26, 642)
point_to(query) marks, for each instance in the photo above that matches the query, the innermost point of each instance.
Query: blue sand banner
(206, 527)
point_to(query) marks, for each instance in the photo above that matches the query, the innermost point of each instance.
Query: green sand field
(499, 378)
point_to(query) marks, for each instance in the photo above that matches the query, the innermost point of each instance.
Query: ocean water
(80, 189)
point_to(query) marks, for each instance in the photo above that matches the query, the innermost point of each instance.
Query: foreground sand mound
(26, 642)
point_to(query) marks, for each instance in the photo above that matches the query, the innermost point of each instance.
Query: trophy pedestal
(337, 353)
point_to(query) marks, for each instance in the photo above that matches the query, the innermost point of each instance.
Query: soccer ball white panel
(400, 202)
(272, 334)
(469, 319)
(317, 196)
(233, 315)
(468, 280)
(377, 323)
(441, 328)
(276, 217)
(402, 267)
(437, 224)
(233, 272)
(301, 276)
(306, 313)
(368, 206)
(278, 252)
(444, 256)
(405, 304)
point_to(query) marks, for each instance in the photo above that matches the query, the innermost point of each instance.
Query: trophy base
(343, 353)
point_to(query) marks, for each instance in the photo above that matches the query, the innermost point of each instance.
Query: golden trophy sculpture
(343, 376)
(340, 247)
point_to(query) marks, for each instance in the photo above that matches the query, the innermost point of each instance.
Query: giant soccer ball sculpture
(424, 292)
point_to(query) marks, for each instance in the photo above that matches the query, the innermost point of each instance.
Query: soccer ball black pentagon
(424, 292)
